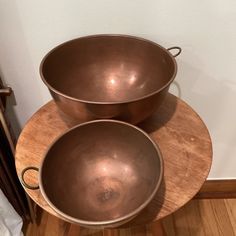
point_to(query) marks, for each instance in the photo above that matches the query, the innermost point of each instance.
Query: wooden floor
(197, 218)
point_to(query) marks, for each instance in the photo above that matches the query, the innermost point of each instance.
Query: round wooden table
(178, 130)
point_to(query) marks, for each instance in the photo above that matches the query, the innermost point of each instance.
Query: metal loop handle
(176, 48)
(23, 180)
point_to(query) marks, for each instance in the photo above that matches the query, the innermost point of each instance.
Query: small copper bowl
(101, 173)
(109, 76)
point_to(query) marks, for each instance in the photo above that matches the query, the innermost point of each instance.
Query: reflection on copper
(109, 76)
(103, 170)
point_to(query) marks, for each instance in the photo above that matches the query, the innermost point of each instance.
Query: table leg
(156, 228)
(74, 230)
(31, 209)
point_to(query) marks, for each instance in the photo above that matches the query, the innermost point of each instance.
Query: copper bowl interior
(101, 172)
(108, 68)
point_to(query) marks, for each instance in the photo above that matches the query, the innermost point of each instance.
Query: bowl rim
(50, 87)
(126, 217)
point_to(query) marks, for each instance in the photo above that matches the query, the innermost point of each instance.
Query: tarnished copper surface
(109, 76)
(101, 173)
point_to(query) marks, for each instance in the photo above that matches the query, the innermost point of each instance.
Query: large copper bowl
(109, 76)
(101, 173)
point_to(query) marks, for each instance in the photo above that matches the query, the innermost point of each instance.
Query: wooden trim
(217, 189)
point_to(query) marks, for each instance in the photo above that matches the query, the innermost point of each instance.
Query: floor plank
(222, 218)
(231, 209)
(214, 217)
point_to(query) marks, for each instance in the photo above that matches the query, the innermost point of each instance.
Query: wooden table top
(178, 130)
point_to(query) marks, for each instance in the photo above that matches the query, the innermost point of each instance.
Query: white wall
(206, 30)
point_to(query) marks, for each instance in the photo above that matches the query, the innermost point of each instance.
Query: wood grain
(202, 218)
(231, 210)
(197, 218)
(180, 133)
